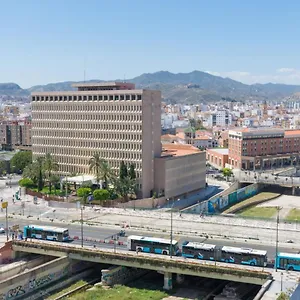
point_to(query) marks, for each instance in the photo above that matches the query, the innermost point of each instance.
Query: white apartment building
(219, 118)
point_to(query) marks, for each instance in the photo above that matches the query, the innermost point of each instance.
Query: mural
(223, 202)
(213, 206)
(218, 203)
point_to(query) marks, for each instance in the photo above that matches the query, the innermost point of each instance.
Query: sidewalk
(285, 281)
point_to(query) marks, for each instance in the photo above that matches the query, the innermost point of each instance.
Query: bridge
(162, 264)
(267, 178)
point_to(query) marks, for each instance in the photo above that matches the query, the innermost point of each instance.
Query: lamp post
(277, 232)
(171, 231)
(81, 221)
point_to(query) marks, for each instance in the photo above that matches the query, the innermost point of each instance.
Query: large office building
(255, 149)
(114, 119)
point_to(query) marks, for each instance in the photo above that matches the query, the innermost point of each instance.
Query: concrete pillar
(293, 191)
(179, 278)
(168, 285)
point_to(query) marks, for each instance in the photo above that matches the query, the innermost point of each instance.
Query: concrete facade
(155, 262)
(177, 175)
(122, 124)
(115, 119)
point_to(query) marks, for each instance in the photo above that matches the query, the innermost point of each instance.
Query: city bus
(288, 261)
(245, 256)
(152, 245)
(198, 250)
(50, 233)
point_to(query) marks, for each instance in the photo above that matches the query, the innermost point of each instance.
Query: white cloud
(282, 75)
(286, 70)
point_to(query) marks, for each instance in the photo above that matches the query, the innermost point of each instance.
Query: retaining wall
(120, 275)
(22, 285)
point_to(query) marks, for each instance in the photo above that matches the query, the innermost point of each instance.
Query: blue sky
(44, 41)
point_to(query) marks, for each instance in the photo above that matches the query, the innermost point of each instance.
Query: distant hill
(12, 89)
(193, 87)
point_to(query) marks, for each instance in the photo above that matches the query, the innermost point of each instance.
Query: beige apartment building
(115, 119)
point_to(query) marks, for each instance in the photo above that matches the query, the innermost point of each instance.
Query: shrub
(101, 194)
(26, 182)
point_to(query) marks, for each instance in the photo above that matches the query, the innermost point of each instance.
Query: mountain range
(193, 87)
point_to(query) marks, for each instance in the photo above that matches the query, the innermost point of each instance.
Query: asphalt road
(92, 236)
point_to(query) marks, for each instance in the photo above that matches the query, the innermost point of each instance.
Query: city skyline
(248, 42)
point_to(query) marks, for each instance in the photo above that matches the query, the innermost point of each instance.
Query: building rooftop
(223, 151)
(178, 150)
(95, 86)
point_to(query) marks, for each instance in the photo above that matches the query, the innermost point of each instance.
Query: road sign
(4, 204)
(15, 227)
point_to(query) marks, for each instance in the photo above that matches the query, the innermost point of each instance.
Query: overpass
(159, 263)
(267, 178)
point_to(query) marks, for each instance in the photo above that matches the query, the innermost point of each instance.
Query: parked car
(2, 230)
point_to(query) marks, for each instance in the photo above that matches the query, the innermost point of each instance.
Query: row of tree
(44, 169)
(124, 183)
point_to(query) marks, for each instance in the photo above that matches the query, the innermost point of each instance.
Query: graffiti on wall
(223, 202)
(213, 205)
(32, 284)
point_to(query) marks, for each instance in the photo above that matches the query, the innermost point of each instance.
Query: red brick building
(251, 148)
(218, 158)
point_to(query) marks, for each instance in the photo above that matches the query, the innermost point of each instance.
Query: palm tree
(49, 166)
(38, 164)
(54, 179)
(101, 169)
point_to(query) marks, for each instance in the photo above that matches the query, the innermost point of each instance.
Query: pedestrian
(13, 199)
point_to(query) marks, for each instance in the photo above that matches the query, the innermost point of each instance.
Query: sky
(53, 40)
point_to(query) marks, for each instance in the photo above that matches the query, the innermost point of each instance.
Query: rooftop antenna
(84, 69)
(124, 78)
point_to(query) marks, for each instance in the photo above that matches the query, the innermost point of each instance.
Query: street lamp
(171, 231)
(81, 220)
(277, 232)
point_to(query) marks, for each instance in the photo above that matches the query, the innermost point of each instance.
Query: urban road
(93, 235)
(102, 223)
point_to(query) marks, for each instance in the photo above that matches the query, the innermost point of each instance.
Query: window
(139, 97)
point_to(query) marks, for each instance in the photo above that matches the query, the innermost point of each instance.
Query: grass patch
(120, 292)
(68, 289)
(259, 198)
(294, 215)
(258, 212)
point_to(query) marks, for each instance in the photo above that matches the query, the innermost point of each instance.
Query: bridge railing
(141, 260)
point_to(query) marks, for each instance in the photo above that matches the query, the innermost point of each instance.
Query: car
(2, 230)
(290, 241)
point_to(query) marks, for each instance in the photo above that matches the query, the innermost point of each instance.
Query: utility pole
(277, 233)
(6, 219)
(81, 208)
(171, 245)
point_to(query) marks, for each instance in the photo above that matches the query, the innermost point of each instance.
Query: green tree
(49, 166)
(83, 192)
(132, 174)
(26, 182)
(21, 160)
(101, 194)
(101, 169)
(54, 179)
(39, 163)
(35, 172)
(125, 187)
(31, 172)
(123, 173)
(283, 296)
(227, 172)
